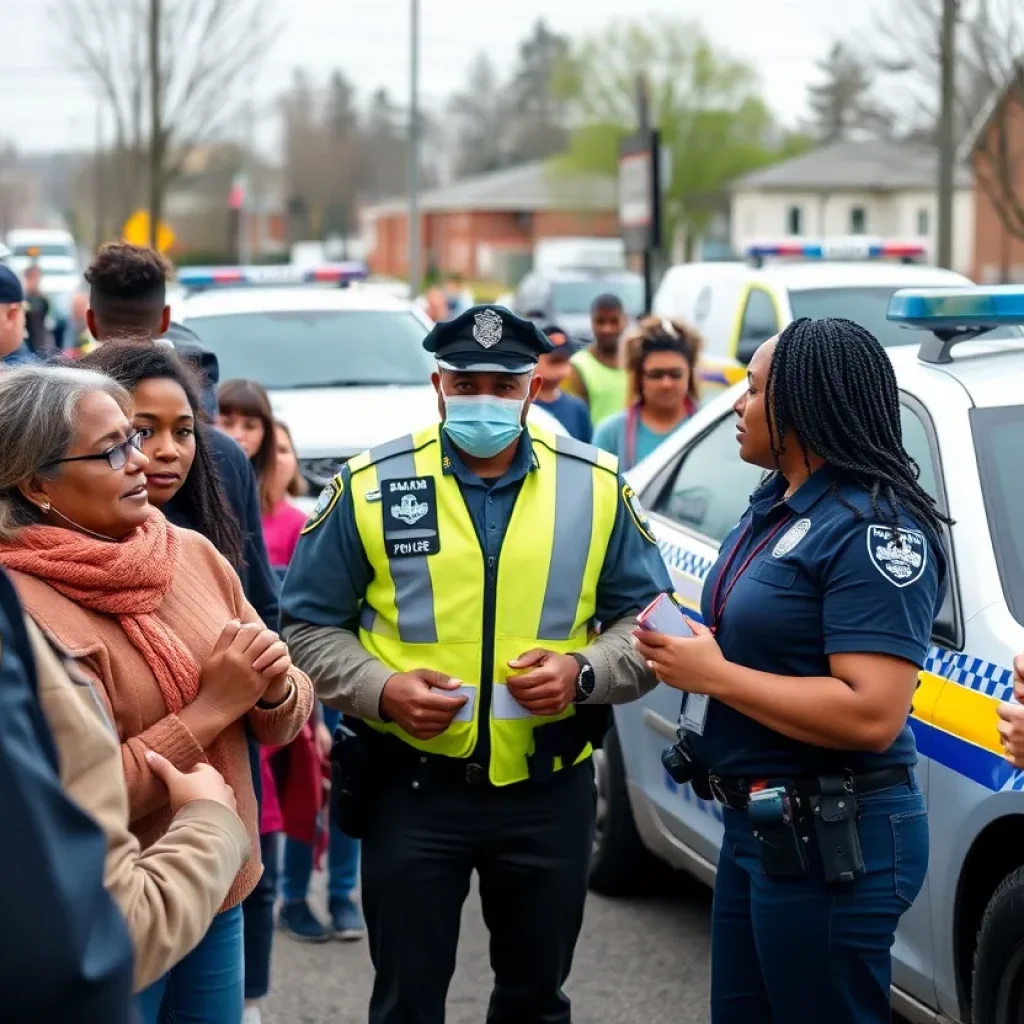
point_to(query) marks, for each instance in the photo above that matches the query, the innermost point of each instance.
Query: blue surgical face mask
(482, 425)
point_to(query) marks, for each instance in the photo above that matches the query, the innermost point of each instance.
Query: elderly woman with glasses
(156, 617)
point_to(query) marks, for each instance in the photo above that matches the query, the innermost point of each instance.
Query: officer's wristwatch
(585, 680)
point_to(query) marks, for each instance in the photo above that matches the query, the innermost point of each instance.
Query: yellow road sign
(136, 231)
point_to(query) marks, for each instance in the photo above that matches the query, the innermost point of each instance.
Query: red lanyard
(718, 608)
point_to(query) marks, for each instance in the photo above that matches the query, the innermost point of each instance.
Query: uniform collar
(524, 462)
(770, 493)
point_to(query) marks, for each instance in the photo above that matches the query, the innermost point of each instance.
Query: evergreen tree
(842, 105)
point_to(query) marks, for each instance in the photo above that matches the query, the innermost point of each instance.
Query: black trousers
(530, 845)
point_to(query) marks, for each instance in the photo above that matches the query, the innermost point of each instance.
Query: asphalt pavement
(639, 961)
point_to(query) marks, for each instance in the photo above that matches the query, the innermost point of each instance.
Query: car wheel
(620, 864)
(998, 984)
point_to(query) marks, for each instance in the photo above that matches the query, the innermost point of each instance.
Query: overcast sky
(45, 106)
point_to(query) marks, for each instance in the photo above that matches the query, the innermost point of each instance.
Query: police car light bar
(854, 248)
(219, 277)
(955, 314)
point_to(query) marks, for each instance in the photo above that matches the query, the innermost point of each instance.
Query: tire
(997, 988)
(620, 864)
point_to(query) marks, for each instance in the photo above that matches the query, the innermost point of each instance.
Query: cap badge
(487, 328)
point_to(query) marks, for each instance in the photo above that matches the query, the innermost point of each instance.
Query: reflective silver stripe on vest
(414, 593)
(574, 524)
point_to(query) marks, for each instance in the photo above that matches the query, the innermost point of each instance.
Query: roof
(873, 166)
(227, 301)
(867, 274)
(528, 187)
(989, 110)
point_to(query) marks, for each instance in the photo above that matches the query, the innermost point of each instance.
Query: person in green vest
(596, 373)
(444, 596)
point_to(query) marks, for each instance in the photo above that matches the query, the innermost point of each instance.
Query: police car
(960, 949)
(344, 366)
(737, 305)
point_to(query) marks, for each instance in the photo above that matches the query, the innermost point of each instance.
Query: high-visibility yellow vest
(427, 610)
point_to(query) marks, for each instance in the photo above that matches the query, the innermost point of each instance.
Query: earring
(45, 508)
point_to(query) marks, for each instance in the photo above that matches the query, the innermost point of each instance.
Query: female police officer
(820, 611)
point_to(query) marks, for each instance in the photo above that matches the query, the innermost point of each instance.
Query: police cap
(487, 339)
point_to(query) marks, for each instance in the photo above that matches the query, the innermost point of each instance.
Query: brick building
(485, 227)
(996, 149)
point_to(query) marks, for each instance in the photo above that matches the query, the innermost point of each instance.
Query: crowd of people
(168, 766)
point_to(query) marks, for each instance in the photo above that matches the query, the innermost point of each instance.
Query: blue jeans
(258, 912)
(205, 987)
(342, 856)
(785, 950)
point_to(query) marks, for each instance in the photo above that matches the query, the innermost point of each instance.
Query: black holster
(358, 766)
(567, 739)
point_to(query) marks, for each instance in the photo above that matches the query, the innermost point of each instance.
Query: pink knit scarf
(127, 580)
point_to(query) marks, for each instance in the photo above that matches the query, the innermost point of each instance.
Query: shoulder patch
(325, 504)
(791, 538)
(899, 555)
(637, 514)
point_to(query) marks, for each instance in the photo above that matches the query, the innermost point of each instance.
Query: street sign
(639, 206)
(136, 231)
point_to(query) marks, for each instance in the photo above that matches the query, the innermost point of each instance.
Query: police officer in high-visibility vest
(445, 594)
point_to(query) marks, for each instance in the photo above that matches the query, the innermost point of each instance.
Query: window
(711, 485)
(759, 324)
(867, 307)
(858, 220)
(997, 439)
(795, 220)
(923, 222)
(573, 298)
(318, 348)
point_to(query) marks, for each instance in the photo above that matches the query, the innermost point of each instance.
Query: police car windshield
(997, 440)
(573, 298)
(867, 307)
(318, 348)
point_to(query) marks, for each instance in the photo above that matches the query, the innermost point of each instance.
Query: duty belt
(734, 793)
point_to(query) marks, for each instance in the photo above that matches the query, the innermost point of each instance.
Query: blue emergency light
(195, 278)
(953, 315)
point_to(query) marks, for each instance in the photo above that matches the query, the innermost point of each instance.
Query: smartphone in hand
(662, 615)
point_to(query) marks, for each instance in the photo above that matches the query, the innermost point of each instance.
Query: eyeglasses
(116, 456)
(662, 374)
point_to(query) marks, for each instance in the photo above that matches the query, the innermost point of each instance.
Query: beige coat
(170, 893)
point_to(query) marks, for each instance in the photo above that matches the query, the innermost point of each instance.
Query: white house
(878, 188)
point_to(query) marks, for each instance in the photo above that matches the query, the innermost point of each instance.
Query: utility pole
(156, 154)
(97, 170)
(643, 111)
(947, 132)
(244, 211)
(414, 148)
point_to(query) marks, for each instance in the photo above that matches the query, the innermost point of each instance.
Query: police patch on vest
(324, 504)
(409, 506)
(899, 555)
(791, 538)
(637, 513)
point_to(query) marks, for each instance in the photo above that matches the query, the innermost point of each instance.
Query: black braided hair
(831, 383)
(202, 494)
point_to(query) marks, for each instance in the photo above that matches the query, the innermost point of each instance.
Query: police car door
(693, 502)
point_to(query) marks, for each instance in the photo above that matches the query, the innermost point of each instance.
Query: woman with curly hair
(661, 357)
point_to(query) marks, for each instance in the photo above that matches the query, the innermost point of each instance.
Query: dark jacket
(65, 953)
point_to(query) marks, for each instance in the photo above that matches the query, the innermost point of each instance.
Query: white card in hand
(465, 713)
(662, 615)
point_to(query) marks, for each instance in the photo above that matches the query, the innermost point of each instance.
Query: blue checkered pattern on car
(688, 562)
(975, 674)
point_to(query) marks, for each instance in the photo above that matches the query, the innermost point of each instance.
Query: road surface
(639, 961)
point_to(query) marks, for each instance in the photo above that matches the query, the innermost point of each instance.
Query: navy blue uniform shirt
(572, 413)
(329, 572)
(827, 582)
